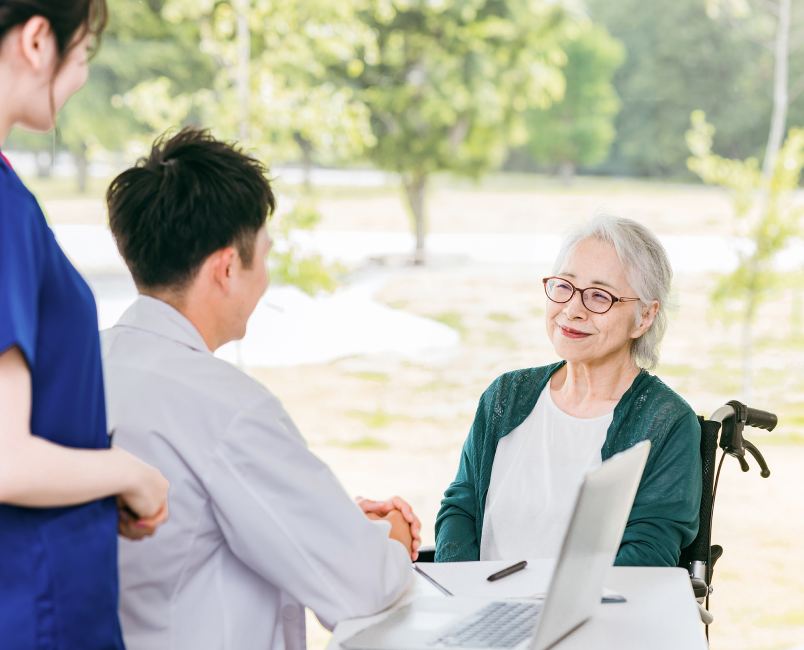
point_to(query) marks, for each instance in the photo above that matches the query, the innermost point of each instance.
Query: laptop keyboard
(499, 625)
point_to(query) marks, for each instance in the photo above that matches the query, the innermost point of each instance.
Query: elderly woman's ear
(648, 314)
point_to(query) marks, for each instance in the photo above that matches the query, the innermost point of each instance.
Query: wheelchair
(729, 422)
(723, 429)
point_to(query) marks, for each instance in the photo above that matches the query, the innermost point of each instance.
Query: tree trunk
(747, 351)
(307, 161)
(748, 347)
(780, 81)
(81, 164)
(567, 173)
(243, 97)
(415, 188)
(44, 164)
(797, 314)
(244, 69)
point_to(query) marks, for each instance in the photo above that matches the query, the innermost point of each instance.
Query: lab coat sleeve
(285, 515)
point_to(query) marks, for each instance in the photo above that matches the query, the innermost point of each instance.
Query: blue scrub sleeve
(22, 259)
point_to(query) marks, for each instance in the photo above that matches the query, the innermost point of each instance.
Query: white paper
(470, 579)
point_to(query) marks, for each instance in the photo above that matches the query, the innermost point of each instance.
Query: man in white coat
(259, 528)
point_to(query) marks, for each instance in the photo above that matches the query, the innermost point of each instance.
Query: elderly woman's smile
(573, 334)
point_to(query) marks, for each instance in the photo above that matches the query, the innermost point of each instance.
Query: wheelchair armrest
(426, 554)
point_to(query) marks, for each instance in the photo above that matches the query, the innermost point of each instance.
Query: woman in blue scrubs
(61, 483)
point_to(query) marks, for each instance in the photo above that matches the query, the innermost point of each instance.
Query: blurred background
(429, 155)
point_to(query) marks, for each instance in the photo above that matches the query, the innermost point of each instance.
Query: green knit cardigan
(664, 517)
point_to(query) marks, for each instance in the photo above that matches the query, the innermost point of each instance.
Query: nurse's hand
(133, 528)
(145, 494)
(384, 508)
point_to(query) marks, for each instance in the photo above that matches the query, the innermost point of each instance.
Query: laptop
(590, 546)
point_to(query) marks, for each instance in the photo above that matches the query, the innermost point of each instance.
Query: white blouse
(537, 474)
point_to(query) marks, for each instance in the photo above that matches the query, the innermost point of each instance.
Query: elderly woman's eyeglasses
(598, 301)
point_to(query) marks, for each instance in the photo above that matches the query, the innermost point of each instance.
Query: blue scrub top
(58, 566)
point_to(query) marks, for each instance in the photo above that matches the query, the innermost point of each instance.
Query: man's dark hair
(192, 196)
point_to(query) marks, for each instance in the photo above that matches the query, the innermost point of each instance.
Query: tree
(137, 45)
(761, 198)
(763, 208)
(768, 23)
(579, 129)
(679, 60)
(272, 89)
(448, 84)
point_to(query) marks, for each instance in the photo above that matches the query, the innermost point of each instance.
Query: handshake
(405, 526)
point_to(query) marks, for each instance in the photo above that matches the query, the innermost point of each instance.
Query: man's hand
(135, 529)
(400, 530)
(381, 509)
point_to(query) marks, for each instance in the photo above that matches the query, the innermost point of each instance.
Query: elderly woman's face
(580, 335)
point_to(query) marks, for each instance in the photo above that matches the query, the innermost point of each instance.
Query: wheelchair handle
(761, 420)
(746, 415)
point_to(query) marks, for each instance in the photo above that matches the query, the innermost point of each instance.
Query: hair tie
(168, 163)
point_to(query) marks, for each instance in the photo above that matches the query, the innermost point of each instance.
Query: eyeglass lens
(595, 300)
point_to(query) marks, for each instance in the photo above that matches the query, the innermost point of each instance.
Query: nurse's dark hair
(193, 195)
(70, 20)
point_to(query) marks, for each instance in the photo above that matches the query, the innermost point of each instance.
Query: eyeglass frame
(581, 291)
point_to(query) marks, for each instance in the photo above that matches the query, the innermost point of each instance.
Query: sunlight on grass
(450, 319)
(377, 419)
(435, 385)
(781, 438)
(376, 377)
(502, 318)
(793, 618)
(501, 340)
(366, 443)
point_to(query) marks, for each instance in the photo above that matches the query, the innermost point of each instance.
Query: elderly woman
(537, 431)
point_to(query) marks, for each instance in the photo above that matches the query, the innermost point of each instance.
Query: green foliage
(579, 130)
(290, 265)
(291, 106)
(679, 59)
(291, 100)
(137, 46)
(764, 212)
(448, 83)
(307, 272)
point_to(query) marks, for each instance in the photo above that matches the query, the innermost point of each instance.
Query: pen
(507, 572)
(431, 581)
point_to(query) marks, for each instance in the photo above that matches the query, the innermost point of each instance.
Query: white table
(660, 613)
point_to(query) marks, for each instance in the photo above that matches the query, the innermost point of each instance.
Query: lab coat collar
(158, 317)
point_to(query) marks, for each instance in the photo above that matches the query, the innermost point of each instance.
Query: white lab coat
(259, 527)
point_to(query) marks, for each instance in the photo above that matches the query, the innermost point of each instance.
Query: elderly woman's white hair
(646, 266)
